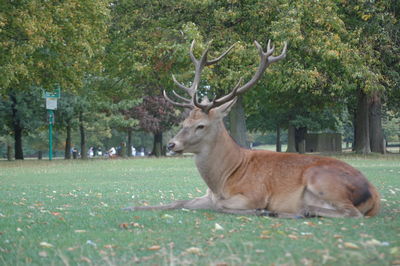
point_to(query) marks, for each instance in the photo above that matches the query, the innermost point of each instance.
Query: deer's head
(204, 122)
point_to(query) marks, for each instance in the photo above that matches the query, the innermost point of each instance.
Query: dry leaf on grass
(194, 250)
(46, 245)
(351, 245)
(218, 227)
(43, 254)
(86, 259)
(155, 247)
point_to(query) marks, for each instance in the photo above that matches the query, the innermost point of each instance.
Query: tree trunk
(291, 146)
(123, 150)
(68, 141)
(375, 124)
(9, 152)
(129, 148)
(83, 138)
(237, 121)
(278, 139)
(300, 139)
(18, 151)
(362, 125)
(157, 144)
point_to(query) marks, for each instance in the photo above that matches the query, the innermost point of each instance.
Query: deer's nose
(170, 146)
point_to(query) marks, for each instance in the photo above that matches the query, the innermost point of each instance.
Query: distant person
(99, 152)
(75, 153)
(133, 151)
(90, 152)
(112, 152)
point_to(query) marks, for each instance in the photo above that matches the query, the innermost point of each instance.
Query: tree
(44, 44)
(21, 112)
(373, 27)
(304, 91)
(123, 118)
(156, 115)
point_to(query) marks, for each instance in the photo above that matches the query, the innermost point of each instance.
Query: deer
(259, 182)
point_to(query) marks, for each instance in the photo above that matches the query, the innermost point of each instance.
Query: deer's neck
(218, 159)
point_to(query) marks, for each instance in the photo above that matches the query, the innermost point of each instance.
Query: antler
(199, 64)
(266, 58)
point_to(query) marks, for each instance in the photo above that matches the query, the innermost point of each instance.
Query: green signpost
(51, 105)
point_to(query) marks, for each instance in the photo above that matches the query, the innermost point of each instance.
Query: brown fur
(277, 181)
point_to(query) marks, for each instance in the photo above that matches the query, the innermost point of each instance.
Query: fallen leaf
(155, 247)
(124, 226)
(109, 246)
(351, 245)
(194, 250)
(373, 242)
(90, 242)
(244, 218)
(310, 223)
(337, 236)
(218, 227)
(46, 245)
(56, 213)
(305, 261)
(394, 250)
(80, 231)
(86, 259)
(136, 225)
(276, 225)
(294, 237)
(43, 254)
(19, 229)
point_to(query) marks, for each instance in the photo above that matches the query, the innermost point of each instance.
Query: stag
(258, 182)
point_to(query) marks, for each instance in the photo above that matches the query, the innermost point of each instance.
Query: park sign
(51, 105)
(51, 98)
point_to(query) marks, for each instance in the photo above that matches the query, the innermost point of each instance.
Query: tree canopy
(113, 59)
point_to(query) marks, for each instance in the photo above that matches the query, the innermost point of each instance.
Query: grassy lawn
(69, 213)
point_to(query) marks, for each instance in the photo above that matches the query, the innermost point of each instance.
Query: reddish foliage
(156, 115)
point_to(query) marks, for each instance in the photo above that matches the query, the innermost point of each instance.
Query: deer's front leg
(204, 202)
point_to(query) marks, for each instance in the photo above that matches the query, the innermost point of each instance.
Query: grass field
(69, 213)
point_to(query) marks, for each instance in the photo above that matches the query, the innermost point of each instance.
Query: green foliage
(43, 43)
(111, 52)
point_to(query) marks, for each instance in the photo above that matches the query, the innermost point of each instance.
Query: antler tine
(180, 85)
(266, 59)
(215, 60)
(199, 65)
(186, 105)
(180, 97)
(231, 95)
(204, 107)
(273, 59)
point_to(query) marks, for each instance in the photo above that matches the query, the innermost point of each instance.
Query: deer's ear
(224, 109)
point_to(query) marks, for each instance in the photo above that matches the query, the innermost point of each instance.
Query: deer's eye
(199, 127)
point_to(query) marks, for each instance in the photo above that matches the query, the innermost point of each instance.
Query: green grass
(69, 213)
